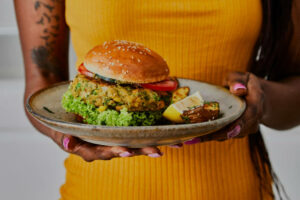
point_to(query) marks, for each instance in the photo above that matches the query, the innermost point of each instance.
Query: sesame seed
(139, 60)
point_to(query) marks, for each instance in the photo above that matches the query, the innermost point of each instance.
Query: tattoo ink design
(56, 17)
(37, 4)
(56, 27)
(41, 21)
(47, 17)
(42, 55)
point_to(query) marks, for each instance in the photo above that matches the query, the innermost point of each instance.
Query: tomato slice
(84, 71)
(167, 85)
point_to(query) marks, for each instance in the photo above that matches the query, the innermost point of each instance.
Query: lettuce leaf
(108, 117)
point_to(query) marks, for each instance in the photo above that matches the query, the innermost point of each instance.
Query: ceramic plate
(45, 106)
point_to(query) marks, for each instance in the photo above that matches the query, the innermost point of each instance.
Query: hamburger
(120, 83)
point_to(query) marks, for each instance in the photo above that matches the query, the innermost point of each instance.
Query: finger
(232, 131)
(245, 125)
(153, 152)
(256, 97)
(90, 152)
(193, 141)
(179, 145)
(237, 83)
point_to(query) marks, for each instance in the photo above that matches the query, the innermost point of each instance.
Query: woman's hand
(90, 152)
(249, 87)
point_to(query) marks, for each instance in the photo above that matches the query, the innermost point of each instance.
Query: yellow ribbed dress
(199, 39)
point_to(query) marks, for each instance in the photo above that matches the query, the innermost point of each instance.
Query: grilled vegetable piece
(209, 111)
(180, 94)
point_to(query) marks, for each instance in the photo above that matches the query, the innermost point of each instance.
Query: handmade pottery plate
(45, 106)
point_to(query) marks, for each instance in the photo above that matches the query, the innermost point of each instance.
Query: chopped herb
(156, 97)
(230, 107)
(106, 101)
(94, 92)
(146, 97)
(78, 85)
(48, 110)
(192, 107)
(185, 118)
(128, 88)
(166, 98)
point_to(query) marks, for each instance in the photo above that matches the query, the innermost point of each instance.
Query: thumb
(237, 83)
(68, 142)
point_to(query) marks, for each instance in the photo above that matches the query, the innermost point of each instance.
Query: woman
(202, 40)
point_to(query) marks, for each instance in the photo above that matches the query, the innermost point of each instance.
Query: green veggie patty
(108, 117)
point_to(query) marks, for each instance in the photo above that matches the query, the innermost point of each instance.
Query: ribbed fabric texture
(199, 39)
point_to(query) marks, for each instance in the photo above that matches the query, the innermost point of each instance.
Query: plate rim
(128, 128)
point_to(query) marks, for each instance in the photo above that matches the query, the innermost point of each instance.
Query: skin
(274, 104)
(44, 39)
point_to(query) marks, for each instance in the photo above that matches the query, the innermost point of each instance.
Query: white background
(31, 165)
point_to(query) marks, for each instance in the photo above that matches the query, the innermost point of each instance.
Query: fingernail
(66, 143)
(193, 141)
(238, 86)
(175, 145)
(234, 132)
(154, 155)
(125, 154)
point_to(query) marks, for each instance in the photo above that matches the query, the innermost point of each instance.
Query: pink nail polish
(125, 154)
(234, 132)
(238, 86)
(193, 141)
(66, 143)
(154, 155)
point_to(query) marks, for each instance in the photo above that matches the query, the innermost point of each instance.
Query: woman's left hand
(249, 87)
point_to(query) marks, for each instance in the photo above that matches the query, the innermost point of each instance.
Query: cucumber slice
(110, 80)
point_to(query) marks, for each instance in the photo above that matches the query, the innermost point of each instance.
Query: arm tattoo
(43, 55)
(46, 63)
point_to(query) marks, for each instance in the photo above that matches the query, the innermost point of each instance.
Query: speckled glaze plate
(45, 106)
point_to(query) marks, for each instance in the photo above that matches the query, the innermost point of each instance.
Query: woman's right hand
(90, 152)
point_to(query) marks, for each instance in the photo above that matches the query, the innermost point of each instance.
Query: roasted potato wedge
(209, 111)
(180, 94)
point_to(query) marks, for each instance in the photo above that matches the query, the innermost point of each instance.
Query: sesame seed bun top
(126, 61)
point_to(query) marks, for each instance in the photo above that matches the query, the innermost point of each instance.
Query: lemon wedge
(174, 111)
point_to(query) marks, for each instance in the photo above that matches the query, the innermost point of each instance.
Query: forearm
(44, 39)
(282, 107)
